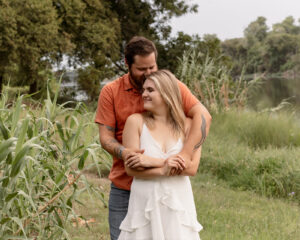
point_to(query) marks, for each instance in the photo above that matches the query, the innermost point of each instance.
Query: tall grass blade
(18, 161)
(22, 134)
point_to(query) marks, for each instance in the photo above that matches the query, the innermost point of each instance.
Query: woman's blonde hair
(167, 85)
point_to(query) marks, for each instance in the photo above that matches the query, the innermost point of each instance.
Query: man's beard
(137, 81)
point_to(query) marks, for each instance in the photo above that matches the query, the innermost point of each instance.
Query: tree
(8, 30)
(29, 42)
(286, 26)
(147, 18)
(135, 17)
(35, 34)
(279, 48)
(94, 32)
(255, 35)
(256, 31)
(236, 49)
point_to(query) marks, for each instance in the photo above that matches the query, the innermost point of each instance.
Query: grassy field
(224, 213)
(247, 186)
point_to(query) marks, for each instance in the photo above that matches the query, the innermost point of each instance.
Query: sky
(228, 18)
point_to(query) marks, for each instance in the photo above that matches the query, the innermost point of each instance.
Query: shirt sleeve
(105, 110)
(188, 99)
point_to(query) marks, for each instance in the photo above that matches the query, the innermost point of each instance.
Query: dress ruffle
(139, 219)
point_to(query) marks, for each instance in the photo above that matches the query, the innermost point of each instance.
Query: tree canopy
(35, 34)
(264, 50)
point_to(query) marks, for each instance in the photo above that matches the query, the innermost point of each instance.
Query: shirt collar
(127, 84)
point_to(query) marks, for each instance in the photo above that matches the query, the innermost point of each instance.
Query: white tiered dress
(160, 208)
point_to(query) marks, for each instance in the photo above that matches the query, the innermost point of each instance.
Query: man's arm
(192, 167)
(201, 120)
(110, 143)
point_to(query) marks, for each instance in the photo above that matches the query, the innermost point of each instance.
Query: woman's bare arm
(131, 139)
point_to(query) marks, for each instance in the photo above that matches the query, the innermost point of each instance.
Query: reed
(43, 152)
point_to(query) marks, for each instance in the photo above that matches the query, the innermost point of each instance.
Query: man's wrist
(122, 153)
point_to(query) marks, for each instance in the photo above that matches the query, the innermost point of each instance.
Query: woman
(161, 205)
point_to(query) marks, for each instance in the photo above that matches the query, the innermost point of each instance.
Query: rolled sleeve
(105, 110)
(188, 99)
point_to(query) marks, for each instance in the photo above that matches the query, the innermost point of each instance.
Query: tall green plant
(211, 81)
(42, 154)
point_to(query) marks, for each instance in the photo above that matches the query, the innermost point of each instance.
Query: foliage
(264, 50)
(36, 34)
(209, 77)
(256, 152)
(29, 40)
(279, 48)
(40, 149)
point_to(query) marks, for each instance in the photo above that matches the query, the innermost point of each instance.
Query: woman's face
(151, 97)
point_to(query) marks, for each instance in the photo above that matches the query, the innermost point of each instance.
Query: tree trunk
(1, 82)
(33, 88)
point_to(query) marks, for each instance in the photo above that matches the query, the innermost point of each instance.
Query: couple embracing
(154, 128)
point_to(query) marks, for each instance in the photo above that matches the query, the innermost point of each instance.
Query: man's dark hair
(138, 46)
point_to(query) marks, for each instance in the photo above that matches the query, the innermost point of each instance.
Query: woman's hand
(136, 160)
(173, 165)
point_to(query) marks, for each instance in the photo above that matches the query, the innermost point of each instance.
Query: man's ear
(126, 63)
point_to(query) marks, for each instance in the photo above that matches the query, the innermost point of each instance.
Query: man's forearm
(201, 121)
(110, 144)
(197, 135)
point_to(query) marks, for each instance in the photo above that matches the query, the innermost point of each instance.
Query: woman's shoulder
(135, 118)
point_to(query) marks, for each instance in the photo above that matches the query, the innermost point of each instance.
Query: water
(71, 89)
(276, 89)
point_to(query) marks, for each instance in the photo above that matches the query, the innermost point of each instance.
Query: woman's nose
(144, 94)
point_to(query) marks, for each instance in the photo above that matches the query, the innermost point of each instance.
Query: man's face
(142, 67)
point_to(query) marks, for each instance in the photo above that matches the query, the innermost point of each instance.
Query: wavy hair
(167, 85)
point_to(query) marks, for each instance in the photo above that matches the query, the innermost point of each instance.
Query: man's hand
(173, 165)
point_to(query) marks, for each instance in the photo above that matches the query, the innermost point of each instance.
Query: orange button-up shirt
(117, 101)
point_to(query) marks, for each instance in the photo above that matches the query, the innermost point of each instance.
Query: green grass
(224, 213)
(93, 208)
(233, 214)
(271, 169)
(258, 130)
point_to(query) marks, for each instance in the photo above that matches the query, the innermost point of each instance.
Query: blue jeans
(118, 206)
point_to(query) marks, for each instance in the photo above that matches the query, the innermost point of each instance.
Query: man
(121, 98)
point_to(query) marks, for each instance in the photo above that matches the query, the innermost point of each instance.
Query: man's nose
(148, 72)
